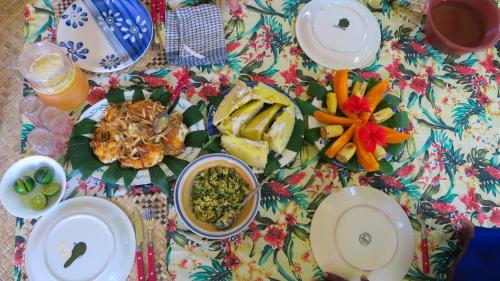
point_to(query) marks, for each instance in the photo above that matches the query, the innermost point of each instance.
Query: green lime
(44, 175)
(50, 189)
(24, 185)
(38, 201)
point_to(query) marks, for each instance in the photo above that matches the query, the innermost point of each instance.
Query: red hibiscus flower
(470, 199)
(50, 36)
(154, 82)
(113, 82)
(481, 217)
(366, 75)
(295, 51)
(183, 264)
(391, 182)
(178, 74)
(406, 171)
(364, 180)
(455, 220)
(402, 84)
(393, 69)
(171, 226)
(232, 46)
(470, 172)
(275, 236)
(495, 217)
(223, 80)
(255, 235)
(464, 70)
(190, 92)
(418, 48)
(299, 90)
(96, 94)
(18, 255)
(488, 64)
(443, 207)
(430, 71)
(263, 79)
(208, 90)
(232, 261)
(295, 179)
(395, 45)
(237, 12)
(418, 85)
(478, 83)
(279, 189)
(483, 100)
(290, 75)
(371, 134)
(493, 172)
(357, 105)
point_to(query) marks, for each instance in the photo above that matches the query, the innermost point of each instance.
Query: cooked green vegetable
(216, 192)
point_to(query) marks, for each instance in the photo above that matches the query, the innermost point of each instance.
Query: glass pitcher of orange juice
(53, 75)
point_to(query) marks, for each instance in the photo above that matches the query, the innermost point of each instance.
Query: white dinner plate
(101, 225)
(338, 34)
(105, 35)
(362, 231)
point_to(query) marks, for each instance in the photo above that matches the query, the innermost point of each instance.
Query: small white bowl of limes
(32, 186)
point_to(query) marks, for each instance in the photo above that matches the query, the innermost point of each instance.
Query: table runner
(453, 107)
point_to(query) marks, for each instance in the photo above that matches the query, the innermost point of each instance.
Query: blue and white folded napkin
(195, 36)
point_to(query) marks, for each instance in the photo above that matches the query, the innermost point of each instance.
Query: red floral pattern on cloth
(452, 104)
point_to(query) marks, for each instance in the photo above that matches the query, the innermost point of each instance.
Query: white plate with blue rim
(105, 35)
(83, 238)
(362, 231)
(338, 34)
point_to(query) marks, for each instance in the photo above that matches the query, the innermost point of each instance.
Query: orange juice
(53, 76)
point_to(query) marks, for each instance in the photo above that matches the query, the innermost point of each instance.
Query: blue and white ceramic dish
(105, 35)
(182, 196)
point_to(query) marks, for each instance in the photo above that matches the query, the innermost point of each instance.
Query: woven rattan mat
(157, 202)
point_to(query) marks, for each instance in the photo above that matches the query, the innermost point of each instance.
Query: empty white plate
(104, 230)
(362, 231)
(338, 34)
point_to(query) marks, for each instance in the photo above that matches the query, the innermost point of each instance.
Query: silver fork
(423, 243)
(149, 221)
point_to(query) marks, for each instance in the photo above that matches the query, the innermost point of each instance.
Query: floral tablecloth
(453, 104)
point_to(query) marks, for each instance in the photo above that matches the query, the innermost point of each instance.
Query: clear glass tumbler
(31, 107)
(42, 142)
(56, 121)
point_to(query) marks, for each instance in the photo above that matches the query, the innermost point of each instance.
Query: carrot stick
(340, 89)
(375, 96)
(393, 136)
(339, 143)
(365, 158)
(332, 119)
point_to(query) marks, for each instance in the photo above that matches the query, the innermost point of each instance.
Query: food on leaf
(393, 136)
(332, 119)
(365, 158)
(379, 152)
(239, 95)
(270, 95)
(374, 96)
(382, 115)
(217, 192)
(359, 88)
(356, 105)
(254, 153)
(281, 130)
(331, 103)
(233, 124)
(331, 131)
(372, 134)
(340, 88)
(340, 142)
(254, 129)
(126, 135)
(346, 153)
